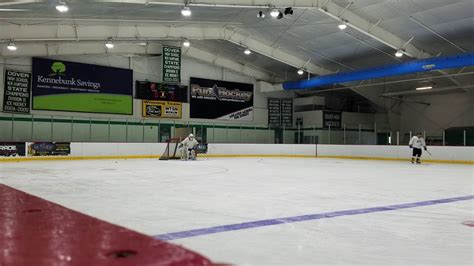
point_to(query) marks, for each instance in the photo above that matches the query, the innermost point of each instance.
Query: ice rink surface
(160, 197)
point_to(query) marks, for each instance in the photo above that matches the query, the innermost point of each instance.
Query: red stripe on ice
(37, 232)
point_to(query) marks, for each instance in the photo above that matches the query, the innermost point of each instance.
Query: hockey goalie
(188, 148)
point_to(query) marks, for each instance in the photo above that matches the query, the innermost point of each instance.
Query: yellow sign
(162, 109)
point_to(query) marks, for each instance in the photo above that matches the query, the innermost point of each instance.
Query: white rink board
(464, 154)
(117, 149)
(262, 149)
(397, 152)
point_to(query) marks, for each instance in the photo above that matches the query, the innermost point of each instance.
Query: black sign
(67, 86)
(274, 112)
(214, 99)
(280, 112)
(159, 91)
(332, 119)
(287, 112)
(16, 98)
(49, 149)
(12, 149)
(171, 64)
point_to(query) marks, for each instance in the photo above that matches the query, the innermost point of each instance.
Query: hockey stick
(429, 153)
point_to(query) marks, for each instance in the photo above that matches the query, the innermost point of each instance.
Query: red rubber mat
(37, 232)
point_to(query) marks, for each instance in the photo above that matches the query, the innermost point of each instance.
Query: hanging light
(342, 26)
(186, 43)
(186, 11)
(11, 46)
(109, 44)
(62, 7)
(247, 51)
(424, 88)
(399, 53)
(274, 13)
(300, 72)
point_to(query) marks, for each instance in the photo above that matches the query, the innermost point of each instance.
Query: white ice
(157, 197)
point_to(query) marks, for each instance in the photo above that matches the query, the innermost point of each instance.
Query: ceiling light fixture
(247, 51)
(62, 7)
(399, 53)
(186, 11)
(186, 43)
(109, 44)
(424, 88)
(274, 13)
(11, 46)
(300, 72)
(342, 26)
(261, 14)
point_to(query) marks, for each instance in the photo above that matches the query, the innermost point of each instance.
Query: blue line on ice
(301, 218)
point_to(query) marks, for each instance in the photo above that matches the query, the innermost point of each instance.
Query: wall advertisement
(146, 90)
(49, 148)
(12, 149)
(67, 86)
(332, 119)
(16, 97)
(223, 100)
(162, 109)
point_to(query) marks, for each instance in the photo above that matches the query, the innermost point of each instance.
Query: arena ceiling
(220, 31)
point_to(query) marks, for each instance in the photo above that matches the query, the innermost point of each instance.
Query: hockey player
(188, 148)
(416, 143)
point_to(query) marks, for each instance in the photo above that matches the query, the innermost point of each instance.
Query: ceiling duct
(415, 66)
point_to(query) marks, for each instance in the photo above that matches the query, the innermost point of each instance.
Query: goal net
(172, 151)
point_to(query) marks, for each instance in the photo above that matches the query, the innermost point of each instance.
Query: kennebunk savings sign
(77, 87)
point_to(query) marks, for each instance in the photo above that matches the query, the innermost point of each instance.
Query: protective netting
(172, 151)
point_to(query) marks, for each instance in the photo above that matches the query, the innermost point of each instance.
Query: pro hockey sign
(215, 99)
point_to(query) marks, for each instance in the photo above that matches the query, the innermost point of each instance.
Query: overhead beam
(241, 38)
(432, 91)
(72, 33)
(227, 63)
(128, 49)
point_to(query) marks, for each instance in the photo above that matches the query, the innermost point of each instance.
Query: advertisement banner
(49, 148)
(171, 64)
(332, 119)
(66, 86)
(215, 99)
(146, 90)
(12, 149)
(16, 97)
(162, 109)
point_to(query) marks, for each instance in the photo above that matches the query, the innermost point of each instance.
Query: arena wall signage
(162, 109)
(49, 148)
(171, 64)
(280, 112)
(12, 149)
(332, 119)
(214, 99)
(159, 91)
(16, 97)
(66, 86)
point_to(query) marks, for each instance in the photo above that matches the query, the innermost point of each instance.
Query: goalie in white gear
(188, 149)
